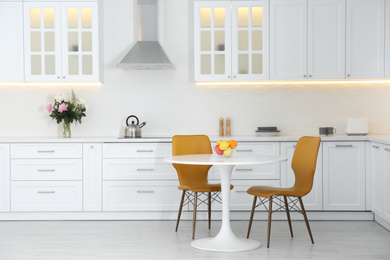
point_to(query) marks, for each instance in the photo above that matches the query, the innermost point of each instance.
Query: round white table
(225, 241)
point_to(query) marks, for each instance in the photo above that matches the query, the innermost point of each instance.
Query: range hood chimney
(147, 53)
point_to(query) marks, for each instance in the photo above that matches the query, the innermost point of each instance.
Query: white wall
(171, 103)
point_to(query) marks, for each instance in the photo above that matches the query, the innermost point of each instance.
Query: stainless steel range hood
(147, 53)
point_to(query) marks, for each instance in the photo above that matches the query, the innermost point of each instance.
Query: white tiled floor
(21, 240)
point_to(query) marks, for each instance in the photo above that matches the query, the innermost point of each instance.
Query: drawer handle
(344, 145)
(144, 151)
(241, 191)
(46, 151)
(248, 150)
(244, 170)
(145, 170)
(145, 191)
(46, 191)
(375, 146)
(46, 170)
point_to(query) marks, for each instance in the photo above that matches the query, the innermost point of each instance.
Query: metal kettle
(133, 130)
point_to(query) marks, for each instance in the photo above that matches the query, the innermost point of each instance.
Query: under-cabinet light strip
(225, 83)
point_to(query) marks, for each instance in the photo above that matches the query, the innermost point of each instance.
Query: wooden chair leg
(306, 220)
(180, 209)
(209, 208)
(194, 218)
(269, 221)
(288, 215)
(251, 218)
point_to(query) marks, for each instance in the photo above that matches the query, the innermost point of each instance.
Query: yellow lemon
(223, 145)
(220, 141)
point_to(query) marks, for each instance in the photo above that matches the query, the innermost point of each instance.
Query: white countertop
(166, 139)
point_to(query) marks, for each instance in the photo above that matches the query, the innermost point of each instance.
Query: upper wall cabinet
(365, 39)
(61, 41)
(11, 44)
(231, 40)
(307, 39)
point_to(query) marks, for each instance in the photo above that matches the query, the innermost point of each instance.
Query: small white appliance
(357, 126)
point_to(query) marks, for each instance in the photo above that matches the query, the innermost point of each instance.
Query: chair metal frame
(195, 198)
(289, 203)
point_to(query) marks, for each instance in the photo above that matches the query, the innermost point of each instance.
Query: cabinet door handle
(46, 151)
(344, 145)
(145, 191)
(241, 191)
(144, 151)
(46, 170)
(248, 150)
(145, 170)
(244, 170)
(46, 191)
(375, 146)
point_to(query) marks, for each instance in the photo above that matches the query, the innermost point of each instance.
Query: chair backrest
(304, 163)
(191, 144)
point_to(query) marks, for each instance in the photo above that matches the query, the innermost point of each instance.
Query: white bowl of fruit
(223, 147)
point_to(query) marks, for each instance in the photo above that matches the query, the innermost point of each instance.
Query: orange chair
(304, 165)
(193, 178)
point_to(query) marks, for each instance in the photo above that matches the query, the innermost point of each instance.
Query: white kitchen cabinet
(288, 39)
(4, 178)
(136, 178)
(313, 200)
(11, 44)
(344, 176)
(92, 177)
(307, 39)
(231, 40)
(61, 41)
(365, 39)
(46, 177)
(326, 39)
(380, 180)
(387, 39)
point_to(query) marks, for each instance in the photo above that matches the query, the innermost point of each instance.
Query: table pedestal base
(221, 244)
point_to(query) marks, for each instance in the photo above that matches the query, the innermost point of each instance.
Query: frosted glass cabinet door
(11, 44)
(250, 51)
(365, 39)
(288, 39)
(80, 41)
(212, 46)
(42, 41)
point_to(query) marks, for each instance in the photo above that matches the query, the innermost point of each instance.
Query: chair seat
(202, 188)
(265, 191)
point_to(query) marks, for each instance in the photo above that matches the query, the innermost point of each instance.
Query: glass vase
(66, 131)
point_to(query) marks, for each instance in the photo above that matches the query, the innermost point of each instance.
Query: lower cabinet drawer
(46, 196)
(141, 196)
(138, 169)
(46, 169)
(251, 172)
